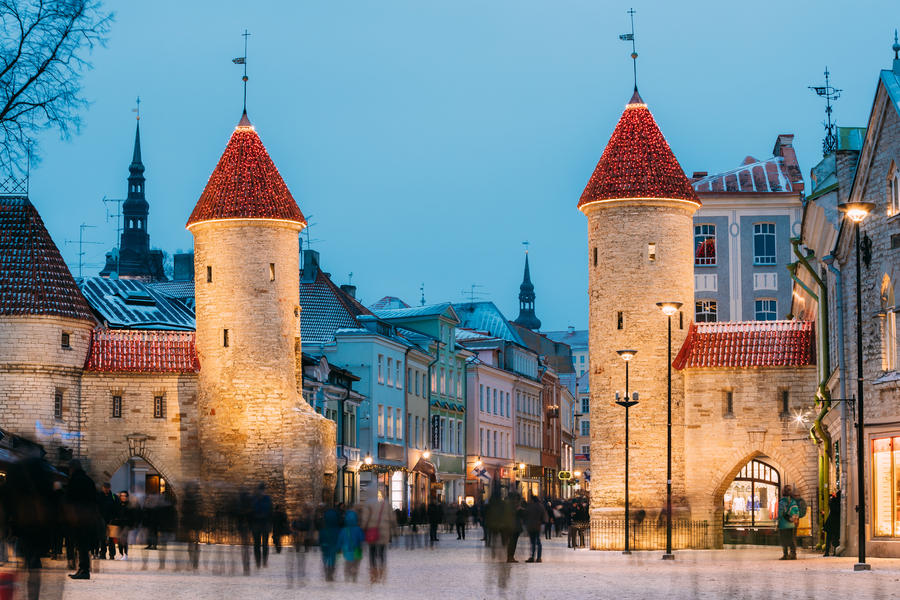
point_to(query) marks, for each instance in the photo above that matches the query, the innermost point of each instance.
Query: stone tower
(135, 258)
(526, 317)
(639, 207)
(254, 424)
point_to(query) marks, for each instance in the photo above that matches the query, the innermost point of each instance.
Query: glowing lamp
(521, 466)
(856, 211)
(368, 459)
(576, 473)
(478, 463)
(427, 454)
(669, 308)
(626, 354)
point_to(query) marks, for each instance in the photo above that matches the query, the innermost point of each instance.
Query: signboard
(582, 457)
(435, 432)
(564, 475)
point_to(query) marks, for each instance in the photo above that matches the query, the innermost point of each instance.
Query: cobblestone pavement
(464, 570)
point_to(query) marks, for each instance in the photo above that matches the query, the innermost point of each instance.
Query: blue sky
(425, 140)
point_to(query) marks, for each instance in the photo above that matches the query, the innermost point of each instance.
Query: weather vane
(137, 108)
(829, 144)
(629, 37)
(242, 60)
(526, 244)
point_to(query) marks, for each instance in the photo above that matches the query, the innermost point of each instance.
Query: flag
(627, 37)
(240, 60)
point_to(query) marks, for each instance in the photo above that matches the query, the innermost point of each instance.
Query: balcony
(349, 452)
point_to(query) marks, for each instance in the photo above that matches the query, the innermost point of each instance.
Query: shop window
(886, 486)
(764, 243)
(117, 407)
(705, 245)
(706, 311)
(752, 498)
(397, 490)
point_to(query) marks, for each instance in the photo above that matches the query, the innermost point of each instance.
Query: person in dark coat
(28, 507)
(107, 504)
(192, 522)
(513, 516)
(435, 517)
(328, 536)
(832, 525)
(462, 515)
(261, 525)
(535, 516)
(83, 515)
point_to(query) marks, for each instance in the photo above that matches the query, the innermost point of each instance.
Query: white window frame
(381, 369)
(706, 307)
(380, 420)
(702, 233)
(762, 230)
(765, 307)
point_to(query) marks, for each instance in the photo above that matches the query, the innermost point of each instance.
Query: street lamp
(669, 309)
(427, 454)
(856, 212)
(368, 459)
(626, 355)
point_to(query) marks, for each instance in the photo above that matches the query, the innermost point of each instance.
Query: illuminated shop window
(886, 486)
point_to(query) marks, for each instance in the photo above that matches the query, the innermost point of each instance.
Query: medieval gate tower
(254, 424)
(639, 207)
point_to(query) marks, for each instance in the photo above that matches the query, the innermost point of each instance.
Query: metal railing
(609, 534)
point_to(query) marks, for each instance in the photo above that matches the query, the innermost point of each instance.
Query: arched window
(889, 343)
(893, 190)
(752, 498)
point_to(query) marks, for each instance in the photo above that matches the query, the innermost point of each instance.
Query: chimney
(571, 329)
(310, 266)
(350, 290)
(699, 174)
(184, 266)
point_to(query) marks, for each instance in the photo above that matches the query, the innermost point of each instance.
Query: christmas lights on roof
(246, 184)
(637, 163)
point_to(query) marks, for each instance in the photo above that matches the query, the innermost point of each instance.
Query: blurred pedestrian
(535, 516)
(350, 542)
(462, 516)
(261, 525)
(435, 516)
(788, 516)
(280, 527)
(192, 522)
(107, 503)
(832, 524)
(328, 540)
(379, 526)
(82, 515)
(125, 517)
(512, 525)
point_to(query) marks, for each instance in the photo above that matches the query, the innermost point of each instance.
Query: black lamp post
(626, 355)
(856, 212)
(669, 309)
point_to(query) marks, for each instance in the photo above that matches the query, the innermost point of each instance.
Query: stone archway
(136, 448)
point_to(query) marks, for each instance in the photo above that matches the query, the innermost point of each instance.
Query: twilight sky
(425, 141)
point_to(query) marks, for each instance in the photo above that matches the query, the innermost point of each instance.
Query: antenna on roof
(422, 290)
(350, 278)
(829, 144)
(81, 242)
(473, 293)
(629, 37)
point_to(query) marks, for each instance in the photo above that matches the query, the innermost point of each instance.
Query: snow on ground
(465, 570)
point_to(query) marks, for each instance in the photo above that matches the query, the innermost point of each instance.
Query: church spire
(526, 317)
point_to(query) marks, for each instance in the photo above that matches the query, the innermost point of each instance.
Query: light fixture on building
(626, 354)
(856, 211)
(521, 466)
(576, 473)
(478, 462)
(427, 454)
(368, 459)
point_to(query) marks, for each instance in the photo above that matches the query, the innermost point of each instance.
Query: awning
(426, 467)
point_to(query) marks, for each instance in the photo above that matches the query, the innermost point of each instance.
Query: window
(271, 271)
(443, 388)
(585, 449)
(704, 245)
(389, 421)
(380, 368)
(481, 441)
(894, 192)
(507, 404)
(765, 309)
(495, 444)
(424, 385)
(705, 311)
(495, 402)
(433, 380)
(729, 403)
(481, 397)
(380, 420)
(225, 338)
(585, 405)
(459, 437)
(398, 427)
(620, 320)
(889, 304)
(117, 407)
(443, 433)
(390, 380)
(208, 274)
(398, 380)
(595, 256)
(501, 403)
(416, 377)
(785, 402)
(651, 251)
(764, 243)
(159, 407)
(58, 404)
(585, 427)
(886, 480)
(415, 431)
(64, 340)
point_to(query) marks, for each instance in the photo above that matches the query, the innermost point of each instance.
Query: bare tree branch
(43, 44)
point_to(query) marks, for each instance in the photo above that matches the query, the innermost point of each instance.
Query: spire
(526, 317)
(896, 49)
(136, 165)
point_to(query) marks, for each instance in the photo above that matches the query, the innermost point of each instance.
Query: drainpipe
(406, 421)
(428, 426)
(818, 432)
(842, 370)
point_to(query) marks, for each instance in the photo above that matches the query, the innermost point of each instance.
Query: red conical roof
(246, 184)
(637, 162)
(34, 279)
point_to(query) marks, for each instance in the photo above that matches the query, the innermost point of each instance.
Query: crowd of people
(46, 514)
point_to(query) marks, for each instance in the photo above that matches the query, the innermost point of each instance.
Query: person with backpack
(788, 516)
(350, 541)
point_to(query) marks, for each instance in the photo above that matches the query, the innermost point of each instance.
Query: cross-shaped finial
(526, 244)
(137, 108)
(629, 37)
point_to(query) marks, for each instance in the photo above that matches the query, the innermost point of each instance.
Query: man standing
(788, 515)
(535, 516)
(261, 525)
(83, 516)
(108, 503)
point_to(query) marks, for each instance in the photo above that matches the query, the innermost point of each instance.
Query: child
(350, 542)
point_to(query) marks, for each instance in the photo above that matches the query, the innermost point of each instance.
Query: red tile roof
(246, 184)
(637, 162)
(130, 351)
(34, 279)
(748, 344)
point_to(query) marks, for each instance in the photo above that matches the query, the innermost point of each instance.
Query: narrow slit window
(225, 338)
(620, 320)
(58, 404)
(680, 319)
(208, 274)
(595, 256)
(651, 251)
(785, 402)
(729, 403)
(159, 407)
(65, 340)
(271, 271)
(117, 407)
